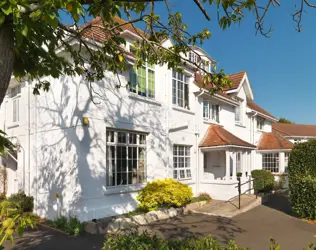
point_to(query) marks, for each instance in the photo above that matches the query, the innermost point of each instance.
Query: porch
(223, 158)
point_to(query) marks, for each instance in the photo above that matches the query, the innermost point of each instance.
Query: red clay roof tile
(251, 104)
(236, 79)
(216, 135)
(294, 129)
(273, 141)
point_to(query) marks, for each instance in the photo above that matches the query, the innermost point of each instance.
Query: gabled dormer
(199, 57)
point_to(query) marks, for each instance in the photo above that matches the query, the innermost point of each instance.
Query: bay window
(142, 80)
(210, 111)
(270, 162)
(180, 89)
(181, 162)
(125, 158)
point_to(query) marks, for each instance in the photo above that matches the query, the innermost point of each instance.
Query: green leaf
(7, 9)
(2, 18)
(25, 30)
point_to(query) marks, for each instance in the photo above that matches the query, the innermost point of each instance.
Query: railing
(241, 184)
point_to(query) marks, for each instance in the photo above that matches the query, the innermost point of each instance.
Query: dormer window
(260, 123)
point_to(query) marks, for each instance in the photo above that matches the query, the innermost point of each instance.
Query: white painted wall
(69, 158)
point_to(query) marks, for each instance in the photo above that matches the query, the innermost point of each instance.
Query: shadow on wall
(71, 158)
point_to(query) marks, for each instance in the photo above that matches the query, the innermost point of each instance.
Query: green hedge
(302, 179)
(145, 241)
(264, 180)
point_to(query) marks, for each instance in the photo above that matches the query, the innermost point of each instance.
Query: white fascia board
(226, 147)
(244, 79)
(273, 150)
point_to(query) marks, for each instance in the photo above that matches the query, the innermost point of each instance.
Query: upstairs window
(239, 111)
(14, 95)
(142, 80)
(270, 162)
(260, 123)
(210, 111)
(180, 90)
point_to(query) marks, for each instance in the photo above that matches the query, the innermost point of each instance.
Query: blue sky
(280, 68)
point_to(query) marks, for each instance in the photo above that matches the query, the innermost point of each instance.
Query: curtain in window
(141, 75)
(151, 83)
(133, 80)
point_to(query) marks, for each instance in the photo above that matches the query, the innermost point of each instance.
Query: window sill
(13, 125)
(144, 99)
(240, 125)
(124, 189)
(260, 130)
(183, 110)
(210, 122)
(186, 181)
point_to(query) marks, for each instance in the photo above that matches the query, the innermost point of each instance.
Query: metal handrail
(239, 188)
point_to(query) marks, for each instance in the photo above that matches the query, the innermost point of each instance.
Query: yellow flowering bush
(163, 193)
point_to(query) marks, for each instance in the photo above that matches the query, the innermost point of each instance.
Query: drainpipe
(167, 125)
(29, 140)
(197, 128)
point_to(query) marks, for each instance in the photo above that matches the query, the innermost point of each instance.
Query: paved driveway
(252, 229)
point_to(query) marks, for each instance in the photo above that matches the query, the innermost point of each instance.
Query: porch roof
(216, 136)
(273, 141)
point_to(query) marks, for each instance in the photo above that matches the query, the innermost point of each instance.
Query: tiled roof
(251, 104)
(294, 129)
(273, 141)
(97, 33)
(198, 79)
(216, 135)
(236, 79)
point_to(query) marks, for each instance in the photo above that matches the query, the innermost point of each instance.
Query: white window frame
(260, 123)
(135, 89)
(286, 161)
(112, 141)
(15, 94)
(271, 162)
(182, 172)
(239, 119)
(212, 111)
(176, 81)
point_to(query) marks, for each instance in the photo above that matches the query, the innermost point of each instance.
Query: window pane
(110, 166)
(110, 136)
(180, 94)
(142, 139)
(121, 137)
(133, 80)
(188, 171)
(141, 77)
(151, 83)
(174, 91)
(186, 96)
(205, 110)
(132, 138)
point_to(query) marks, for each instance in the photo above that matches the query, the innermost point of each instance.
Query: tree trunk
(6, 57)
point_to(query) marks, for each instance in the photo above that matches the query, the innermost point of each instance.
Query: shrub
(24, 201)
(264, 180)
(144, 241)
(201, 197)
(70, 225)
(164, 193)
(302, 179)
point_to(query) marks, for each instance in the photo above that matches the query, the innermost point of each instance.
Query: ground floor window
(238, 162)
(125, 157)
(181, 162)
(270, 162)
(286, 161)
